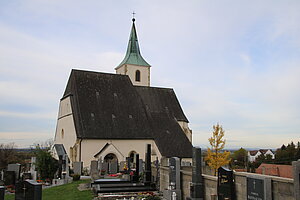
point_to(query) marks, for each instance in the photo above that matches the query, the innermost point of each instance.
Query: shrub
(76, 177)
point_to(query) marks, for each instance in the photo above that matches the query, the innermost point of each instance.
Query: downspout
(80, 150)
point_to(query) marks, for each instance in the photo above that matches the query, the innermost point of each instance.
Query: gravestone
(122, 165)
(105, 167)
(2, 192)
(1, 178)
(9, 178)
(226, 186)
(147, 179)
(2, 175)
(94, 170)
(65, 167)
(174, 180)
(128, 163)
(113, 167)
(258, 187)
(100, 165)
(33, 168)
(77, 167)
(197, 185)
(141, 165)
(296, 176)
(28, 190)
(16, 168)
(137, 167)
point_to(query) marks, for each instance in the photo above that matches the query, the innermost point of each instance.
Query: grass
(63, 192)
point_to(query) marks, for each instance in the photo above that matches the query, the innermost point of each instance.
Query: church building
(114, 116)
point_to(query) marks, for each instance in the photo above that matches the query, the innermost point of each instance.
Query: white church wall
(130, 71)
(65, 129)
(186, 129)
(90, 147)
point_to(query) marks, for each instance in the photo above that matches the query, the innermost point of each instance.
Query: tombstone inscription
(258, 188)
(226, 186)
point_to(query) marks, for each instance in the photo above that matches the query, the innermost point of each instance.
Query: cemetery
(168, 179)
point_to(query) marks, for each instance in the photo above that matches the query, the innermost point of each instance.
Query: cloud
(28, 115)
(231, 62)
(25, 139)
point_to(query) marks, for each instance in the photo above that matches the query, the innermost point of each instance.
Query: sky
(232, 62)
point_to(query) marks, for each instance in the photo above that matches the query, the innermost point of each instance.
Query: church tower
(134, 64)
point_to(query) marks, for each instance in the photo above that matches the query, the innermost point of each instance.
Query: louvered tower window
(137, 75)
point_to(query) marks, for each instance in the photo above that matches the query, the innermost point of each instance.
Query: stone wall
(282, 188)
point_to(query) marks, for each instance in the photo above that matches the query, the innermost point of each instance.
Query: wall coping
(274, 178)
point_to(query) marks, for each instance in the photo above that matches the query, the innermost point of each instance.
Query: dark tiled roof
(253, 153)
(102, 107)
(108, 106)
(161, 100)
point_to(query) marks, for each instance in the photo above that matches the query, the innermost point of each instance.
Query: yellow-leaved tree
(215, 156)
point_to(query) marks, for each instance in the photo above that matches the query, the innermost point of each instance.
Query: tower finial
(133, 13)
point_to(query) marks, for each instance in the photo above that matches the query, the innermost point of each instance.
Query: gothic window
(131, 155)
(62, 134)
(137, 75)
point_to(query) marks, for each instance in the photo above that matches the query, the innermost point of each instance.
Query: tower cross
(133, 13)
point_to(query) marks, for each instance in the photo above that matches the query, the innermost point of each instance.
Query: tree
(239, 158)
(215, 157)
(46, 165)
(7, 155)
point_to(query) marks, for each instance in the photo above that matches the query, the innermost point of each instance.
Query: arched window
(62, 134)
(131, 155)
(137, 75)
(110, 158)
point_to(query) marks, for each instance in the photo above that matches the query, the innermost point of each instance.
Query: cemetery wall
(282, 188)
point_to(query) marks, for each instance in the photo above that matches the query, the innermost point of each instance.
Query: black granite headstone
(197, 186)
(28, 190)
(9, 178)
(226, 186)
(137, 168)
(128, 162)
(148, 165)
(2, 192)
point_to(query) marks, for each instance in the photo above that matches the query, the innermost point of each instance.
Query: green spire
(133, 54)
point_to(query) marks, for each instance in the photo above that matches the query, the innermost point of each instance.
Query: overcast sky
(236, 63)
